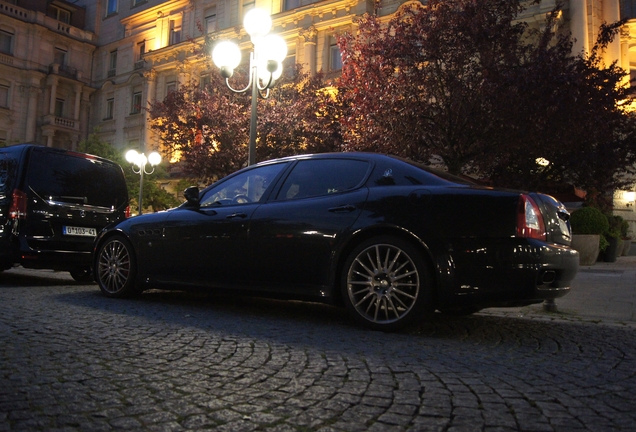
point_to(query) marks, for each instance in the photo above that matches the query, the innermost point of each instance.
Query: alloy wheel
(383, 284)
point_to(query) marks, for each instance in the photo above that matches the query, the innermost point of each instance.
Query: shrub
(589, 220)
(614, 229)
(624, 229)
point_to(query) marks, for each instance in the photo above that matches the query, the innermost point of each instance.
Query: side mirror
(191, 194)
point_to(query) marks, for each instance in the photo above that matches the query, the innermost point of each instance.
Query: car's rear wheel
(116, 268)
(387, 284)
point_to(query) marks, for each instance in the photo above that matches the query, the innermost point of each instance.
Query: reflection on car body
(389, 239)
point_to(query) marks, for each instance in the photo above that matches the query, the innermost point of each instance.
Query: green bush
(589, 220)
(614, 229)
(624, 229)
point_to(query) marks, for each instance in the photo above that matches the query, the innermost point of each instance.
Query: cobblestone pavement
(71, 359)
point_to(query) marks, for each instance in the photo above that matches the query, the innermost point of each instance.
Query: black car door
(207, 244)
(293, 235)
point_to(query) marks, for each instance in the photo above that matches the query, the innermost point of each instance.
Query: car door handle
(343, 209)
(236, 215)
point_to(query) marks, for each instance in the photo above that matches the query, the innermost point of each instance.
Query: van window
(74, 179)
(8, 168)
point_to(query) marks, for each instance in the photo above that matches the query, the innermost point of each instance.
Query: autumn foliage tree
(466, 82)
(209, 126)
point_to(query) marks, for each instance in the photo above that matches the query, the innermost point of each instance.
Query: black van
(53, 202)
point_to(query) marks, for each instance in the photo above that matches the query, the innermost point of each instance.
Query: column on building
(624, 63)
(578, 27)
(52, 81)
(612, 14)
(78, 99)
(151, 96)
(309, 38)
(32, 112)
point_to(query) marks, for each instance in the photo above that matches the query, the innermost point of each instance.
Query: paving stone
(74, 360)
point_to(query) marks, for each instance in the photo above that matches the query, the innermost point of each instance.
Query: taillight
(529, 219)
(127, 212)
(18, 205)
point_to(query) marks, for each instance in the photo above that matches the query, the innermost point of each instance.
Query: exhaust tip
(547, 277)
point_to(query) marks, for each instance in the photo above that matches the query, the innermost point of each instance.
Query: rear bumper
(55, 260)
(558, 268)
(13, 251)
(504, 273)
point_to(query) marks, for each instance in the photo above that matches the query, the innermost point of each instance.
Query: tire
(387, 284)
(82, 275)
(116, 268)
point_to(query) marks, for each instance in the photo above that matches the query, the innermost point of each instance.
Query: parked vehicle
(389, 239)
(53, 202)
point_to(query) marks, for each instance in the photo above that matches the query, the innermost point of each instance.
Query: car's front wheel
(116, 268)
(387, 284)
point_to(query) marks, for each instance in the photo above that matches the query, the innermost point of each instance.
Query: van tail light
(529, 219)
(127, 212)
(18, 205)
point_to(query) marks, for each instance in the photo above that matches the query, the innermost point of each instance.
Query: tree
(573, 118)
(209, 127)
(420, 86)
(466, 82)
(153, 195)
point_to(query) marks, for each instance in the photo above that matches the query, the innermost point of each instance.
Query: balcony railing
(63, 70)
(139, 64)
(60, 122)
(111, 73)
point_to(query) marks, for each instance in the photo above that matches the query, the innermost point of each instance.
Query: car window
(246, 187)
(75, 179)
(318, 177)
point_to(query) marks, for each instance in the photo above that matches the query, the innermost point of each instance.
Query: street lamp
(265, 63)
(140, 161)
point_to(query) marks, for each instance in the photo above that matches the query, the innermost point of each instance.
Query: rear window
(8, 172)
(75, 179)
(317, 177)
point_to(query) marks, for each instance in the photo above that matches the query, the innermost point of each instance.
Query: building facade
(68, 69)
(71, 68)
(46, 59)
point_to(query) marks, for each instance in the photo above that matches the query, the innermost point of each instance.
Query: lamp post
(140, 161)
(265, 63)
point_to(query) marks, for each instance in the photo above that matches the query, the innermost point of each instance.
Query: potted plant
(627, 240)
(613, 236)
(588, 223)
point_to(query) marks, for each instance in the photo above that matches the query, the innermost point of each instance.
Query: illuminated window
(112, 64)
(62, 15)
(110, 108)
(6, 42)
(111, 7)
(4, 96)
(141, 50)
(59, 57)
(335, 58)
(136, 102)
(291, 4)
(210, 20)
(175, 32)
(59, 107)
(247, 5)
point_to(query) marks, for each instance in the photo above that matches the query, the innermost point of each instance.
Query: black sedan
(391, 240)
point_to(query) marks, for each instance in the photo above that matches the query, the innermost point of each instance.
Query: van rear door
(71, 197)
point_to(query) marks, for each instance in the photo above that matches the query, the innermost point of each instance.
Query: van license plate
(79, 231)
